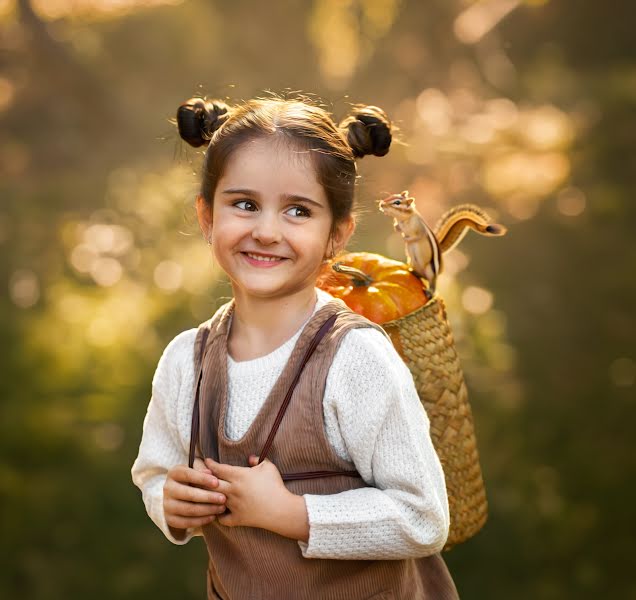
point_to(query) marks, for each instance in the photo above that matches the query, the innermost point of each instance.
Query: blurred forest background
(524, 107)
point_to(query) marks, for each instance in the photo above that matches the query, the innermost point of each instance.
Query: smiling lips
(263, 260)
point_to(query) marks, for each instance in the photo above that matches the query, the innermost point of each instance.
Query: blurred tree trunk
(69, 86)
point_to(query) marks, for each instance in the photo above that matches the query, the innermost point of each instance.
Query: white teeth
(263, 258)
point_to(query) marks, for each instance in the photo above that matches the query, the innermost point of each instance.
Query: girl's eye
(305, 212)
(241, 201)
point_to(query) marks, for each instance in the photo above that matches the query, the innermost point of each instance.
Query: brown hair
(299, 122)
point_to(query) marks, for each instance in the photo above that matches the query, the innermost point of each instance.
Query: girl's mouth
(262, 261)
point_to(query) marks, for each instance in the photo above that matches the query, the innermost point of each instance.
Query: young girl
(350, 502)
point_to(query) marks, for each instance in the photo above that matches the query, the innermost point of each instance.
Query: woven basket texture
(424, 340)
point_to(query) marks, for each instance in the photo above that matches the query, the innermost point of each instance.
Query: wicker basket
(424, 340)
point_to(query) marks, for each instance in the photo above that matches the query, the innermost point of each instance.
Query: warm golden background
(526, 108)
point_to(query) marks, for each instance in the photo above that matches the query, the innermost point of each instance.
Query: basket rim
(434, 300)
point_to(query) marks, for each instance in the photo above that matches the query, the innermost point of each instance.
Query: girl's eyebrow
(283, 196)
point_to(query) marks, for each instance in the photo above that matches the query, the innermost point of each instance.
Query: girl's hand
(256, 495)
(191, 497)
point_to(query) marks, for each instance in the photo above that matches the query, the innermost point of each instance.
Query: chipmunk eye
(397, 202)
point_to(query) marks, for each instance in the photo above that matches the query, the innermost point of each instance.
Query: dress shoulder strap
(203, 332)
(213, 323)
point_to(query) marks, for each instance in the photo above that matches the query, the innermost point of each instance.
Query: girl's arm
(374, 417)
(161, 447)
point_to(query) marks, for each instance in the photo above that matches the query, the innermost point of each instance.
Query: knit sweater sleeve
(161, 446)
(374, 416)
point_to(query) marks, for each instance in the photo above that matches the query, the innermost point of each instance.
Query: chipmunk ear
(410, 201)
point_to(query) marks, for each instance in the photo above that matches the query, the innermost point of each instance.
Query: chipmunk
(424, 246)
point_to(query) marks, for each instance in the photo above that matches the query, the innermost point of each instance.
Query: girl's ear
(343, 232)
(204, 214)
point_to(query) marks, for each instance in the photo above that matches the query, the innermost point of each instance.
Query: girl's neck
(260, 325)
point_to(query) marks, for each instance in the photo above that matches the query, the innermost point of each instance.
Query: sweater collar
(227, 309)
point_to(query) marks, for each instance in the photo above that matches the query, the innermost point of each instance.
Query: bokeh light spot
(476, 300)
(571, 202)
(109, 436)
(24, 288)
(106, 271)
(168, 275)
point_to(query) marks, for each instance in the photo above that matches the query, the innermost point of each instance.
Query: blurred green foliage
(525, 108)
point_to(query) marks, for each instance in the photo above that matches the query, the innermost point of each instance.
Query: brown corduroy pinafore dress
(249, 563)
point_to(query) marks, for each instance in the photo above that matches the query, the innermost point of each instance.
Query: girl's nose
(267, 231)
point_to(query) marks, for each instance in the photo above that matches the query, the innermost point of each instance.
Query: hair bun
(198, 119)
(368, 131)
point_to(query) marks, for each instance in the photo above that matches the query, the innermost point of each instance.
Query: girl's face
(271, 220)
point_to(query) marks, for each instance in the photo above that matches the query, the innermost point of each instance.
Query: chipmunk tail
(496, 229)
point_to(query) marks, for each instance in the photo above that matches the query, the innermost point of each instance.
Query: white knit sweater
(372, 416)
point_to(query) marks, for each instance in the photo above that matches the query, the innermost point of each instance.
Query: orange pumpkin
(377, 287)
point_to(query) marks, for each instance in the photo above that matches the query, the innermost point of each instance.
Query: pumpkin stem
(358, 277)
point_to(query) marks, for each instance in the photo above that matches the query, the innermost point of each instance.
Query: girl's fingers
(184, 474)
(229, 520)
(178, 508)
(186, 522)
(199, 465)
(194, 494)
